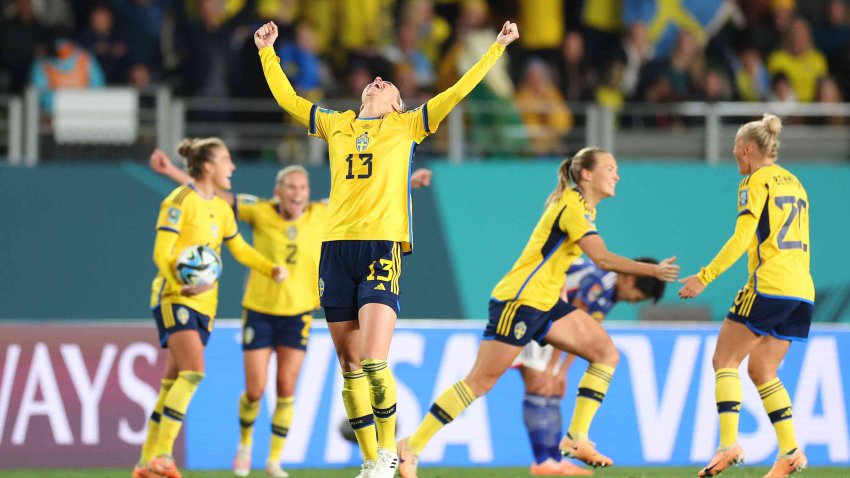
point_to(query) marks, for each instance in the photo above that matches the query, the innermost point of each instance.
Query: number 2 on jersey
(799, 208)
(366, 161)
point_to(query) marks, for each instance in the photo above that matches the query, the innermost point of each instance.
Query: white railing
(258, 128)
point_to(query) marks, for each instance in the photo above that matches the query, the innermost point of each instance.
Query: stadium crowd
(603, 51)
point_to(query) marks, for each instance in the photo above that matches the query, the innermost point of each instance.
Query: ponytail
(569, 172)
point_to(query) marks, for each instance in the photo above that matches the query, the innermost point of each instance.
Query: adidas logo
(380, 287)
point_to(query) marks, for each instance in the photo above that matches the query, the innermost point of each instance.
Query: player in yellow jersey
(775, 306)
(191, 215)
(526, 305)
(369, 228)
(277, 316)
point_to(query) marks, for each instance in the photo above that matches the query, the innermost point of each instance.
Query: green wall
(661, 209)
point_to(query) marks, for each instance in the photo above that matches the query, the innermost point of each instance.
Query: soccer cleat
(140, 471)
(407, 460)
(274, 470)
(723, 458)
(163, 465)
(366, 469)
(242, 462)
(386, 464)
(583, 450)
(787, 464)
(551, 467)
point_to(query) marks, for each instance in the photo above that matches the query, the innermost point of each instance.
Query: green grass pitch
(428, 472)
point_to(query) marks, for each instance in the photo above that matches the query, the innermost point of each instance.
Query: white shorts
(536, 357)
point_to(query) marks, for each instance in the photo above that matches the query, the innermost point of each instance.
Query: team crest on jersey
(321, 287)
(248, 335)
(173, 215)
(744, 197)
(519, 330)
(183, 315)
(362, 142)
(291, 233)
(214, 230)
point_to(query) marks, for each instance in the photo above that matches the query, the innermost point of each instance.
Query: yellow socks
(175, 406)
(149, 448)
(727, 393)
(777, 404)
(281, 421)
(383, 399)
(358, 407)
(248, 412)
(591, 391)
(446, 408)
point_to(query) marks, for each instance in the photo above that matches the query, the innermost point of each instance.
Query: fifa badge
(742, 200)
(291, 233)
(173, 215)
(362, 142)
(321, 287)
(519, 330)
(248, 335)
(183, 315)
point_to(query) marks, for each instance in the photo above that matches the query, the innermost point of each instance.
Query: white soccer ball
(199, 265)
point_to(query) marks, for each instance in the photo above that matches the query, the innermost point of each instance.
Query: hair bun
(772, 123)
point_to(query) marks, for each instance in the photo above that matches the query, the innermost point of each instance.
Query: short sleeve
(417, 124)
(752, 194)
(576, 221)
(245, 207)
(171, 217)
(322, 122)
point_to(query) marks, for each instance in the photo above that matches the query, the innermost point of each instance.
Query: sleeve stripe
(590, 233)
(313, 119)
(425, 117)
(227, 238)
(169, 229)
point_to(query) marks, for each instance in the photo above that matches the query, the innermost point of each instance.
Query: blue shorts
(517, 324)
(179, 317)
(355, 273)
(261, 331)
(787, 319)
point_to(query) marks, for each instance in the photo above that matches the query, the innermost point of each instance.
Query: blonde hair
(295, 168)
(763, 133)
(570, 170)
(197, 151)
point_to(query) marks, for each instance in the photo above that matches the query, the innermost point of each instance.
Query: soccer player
(775, 306)
(368, 230)
(543, 371)
(277, 316)
(526, 305)
(192, 214)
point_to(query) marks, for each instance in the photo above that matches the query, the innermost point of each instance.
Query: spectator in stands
(141, 21)
(768, 21)
(834, 35)
(781, 90)
(547, 117)
(638, 52)
(301, 59)
(544, 41)
(799, 60)
(578, 78)
(107, 43)
(752, 82)
(609, 93)
(685, 68)
(715, 87)
(432, 30)
(602, 23)
(20, 34)
(406, 50)
(205, 51)
(829, 93)
(64, 65)
(665, 20)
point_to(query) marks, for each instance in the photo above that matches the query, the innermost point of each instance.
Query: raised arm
(162, 164)
(441, 105)
(282, 90)
(595, 248)
(745, 229)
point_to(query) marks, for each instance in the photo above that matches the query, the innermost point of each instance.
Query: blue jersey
(593, 286)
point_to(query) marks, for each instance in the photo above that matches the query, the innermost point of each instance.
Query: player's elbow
(603, 261)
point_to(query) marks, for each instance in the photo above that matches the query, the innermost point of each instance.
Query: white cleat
(242, 462)
(274, 470)
(386, 465)
(366, 469)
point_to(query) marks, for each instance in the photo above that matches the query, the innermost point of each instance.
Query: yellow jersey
(195, 221)
(371, 158)
(537, 277)
(295, 244)
(780, 252)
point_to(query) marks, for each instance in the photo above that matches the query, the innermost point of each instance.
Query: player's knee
(253, 394)
(722, 360)
(605, 353)
(760, 373)
(285, 387)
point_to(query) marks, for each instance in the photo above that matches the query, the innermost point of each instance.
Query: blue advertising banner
(660, 409)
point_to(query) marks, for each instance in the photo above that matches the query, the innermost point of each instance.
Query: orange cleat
(585, 451)
(551, 467)
(787, 464)
(723, 458)
(163, 465)
(569, 468)
(140, 471)
(408, 461)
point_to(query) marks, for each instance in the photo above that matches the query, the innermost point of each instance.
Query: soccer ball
(199, 265)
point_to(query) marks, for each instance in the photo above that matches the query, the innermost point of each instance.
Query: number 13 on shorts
(387, 270)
